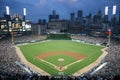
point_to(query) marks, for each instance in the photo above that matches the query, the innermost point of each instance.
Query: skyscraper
(79, 14)
(119, 16)
(72, 16)
(53, 16)
(99, 14)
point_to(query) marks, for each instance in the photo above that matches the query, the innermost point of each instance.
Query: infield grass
(31, 50)
(67, 59)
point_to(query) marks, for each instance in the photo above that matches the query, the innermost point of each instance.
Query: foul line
(92, 65)
(63, 66)
(48, 62)
(34, 67)
(74, 63)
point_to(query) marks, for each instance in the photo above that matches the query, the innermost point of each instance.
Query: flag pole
(109, 38)
(12, 36)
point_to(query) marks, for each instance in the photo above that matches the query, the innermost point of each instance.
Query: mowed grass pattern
(31, 50)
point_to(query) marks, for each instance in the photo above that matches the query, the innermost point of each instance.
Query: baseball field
(64, 56)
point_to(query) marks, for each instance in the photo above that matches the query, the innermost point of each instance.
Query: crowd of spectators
(112, 59)
(8, 57)
(37, 77)
(29, 38)
(10, 71)
(90, 39)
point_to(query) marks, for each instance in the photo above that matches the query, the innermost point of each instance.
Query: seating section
(10, 71)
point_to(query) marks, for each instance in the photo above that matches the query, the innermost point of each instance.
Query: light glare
(7, 10)
(106, 10)
(24, 11)
(114, 9)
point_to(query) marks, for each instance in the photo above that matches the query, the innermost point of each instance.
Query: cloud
(42, 2)
(66, 1)
(59, 0)
(74, 0)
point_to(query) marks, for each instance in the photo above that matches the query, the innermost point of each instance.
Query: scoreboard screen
(27, 27)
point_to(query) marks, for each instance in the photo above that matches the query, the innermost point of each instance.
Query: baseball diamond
(76, 55)
(59, 40)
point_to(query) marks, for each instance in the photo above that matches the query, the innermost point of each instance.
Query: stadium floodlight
(7, 10)
(106, 10)
(114, 9)
(24, 11)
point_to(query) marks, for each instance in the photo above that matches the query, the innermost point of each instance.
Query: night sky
(40, 9)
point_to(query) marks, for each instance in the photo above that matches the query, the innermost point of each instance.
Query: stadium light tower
(23, 22)
(24, 13)
(7, 10)
(106, 10)
(109, 30)
(106, 14)
(9, 22)
(106, 17)
(114, 9)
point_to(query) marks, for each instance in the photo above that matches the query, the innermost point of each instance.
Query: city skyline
(41, 9)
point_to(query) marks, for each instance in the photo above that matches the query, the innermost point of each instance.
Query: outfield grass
(31, 50)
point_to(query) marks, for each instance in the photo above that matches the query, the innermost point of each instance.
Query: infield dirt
(73, 54)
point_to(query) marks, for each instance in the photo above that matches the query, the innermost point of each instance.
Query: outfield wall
(59, 36)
